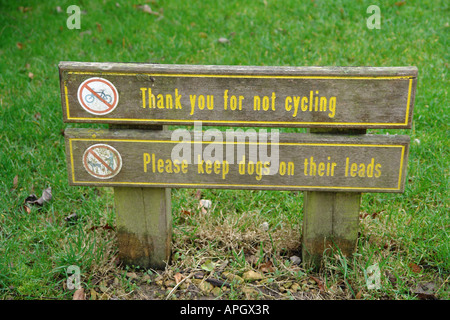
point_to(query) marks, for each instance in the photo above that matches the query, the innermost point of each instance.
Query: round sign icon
(98, 96)
(102, 161)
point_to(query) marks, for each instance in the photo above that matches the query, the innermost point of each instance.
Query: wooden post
(144, 223)
(330, 219)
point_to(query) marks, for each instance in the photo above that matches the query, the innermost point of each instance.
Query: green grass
(36, 247)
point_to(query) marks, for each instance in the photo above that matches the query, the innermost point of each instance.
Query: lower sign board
(237, 159)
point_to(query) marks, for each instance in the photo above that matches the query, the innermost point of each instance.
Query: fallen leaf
(217, 291)
(217, 282)
(222, 266)
(32, 199)
(71, 217)
(132, 275)
(99, 27)
(223, 40)
(205, 203)
(375, 214)
(202, 35)
(251, 259)
(400, 3)
(37, 116)
(392, 279)
(232, 277)
(188, 213)
(358, 295)
(159, 280)
(267, 267)
(103, 287)
(19, 45)
(415, 268)
(178, 277)
(169, 283)
(319, 283)
(252, 275)
(85, 32)
(198, 194)
(46, 196)
(145, 278)
(15, 181)
(205, 287)
(79, 294)
(208, 266)
(146, 8)
(199, 275)
(425, 291)
(295, 259)
(104, 227)
(94, 294)
(24, 9)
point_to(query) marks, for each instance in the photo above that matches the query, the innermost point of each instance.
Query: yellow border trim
(401, 168)
(67, 99)
(259, 186)
(410, 78)
(199, 75)
(71, 160)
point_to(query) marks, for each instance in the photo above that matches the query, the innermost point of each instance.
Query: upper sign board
(155, 94)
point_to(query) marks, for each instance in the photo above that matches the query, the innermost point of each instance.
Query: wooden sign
(333, 167)
(237, 160)
(340, 97)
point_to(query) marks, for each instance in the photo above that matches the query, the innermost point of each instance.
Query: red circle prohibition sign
(102, 161)
(98, 96)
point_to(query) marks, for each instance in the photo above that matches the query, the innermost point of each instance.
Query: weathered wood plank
(345, 97)
(321, 162)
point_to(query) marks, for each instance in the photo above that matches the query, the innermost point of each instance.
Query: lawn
(405, 235)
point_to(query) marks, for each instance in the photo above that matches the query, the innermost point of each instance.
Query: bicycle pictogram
(89, 98)
(98, 96)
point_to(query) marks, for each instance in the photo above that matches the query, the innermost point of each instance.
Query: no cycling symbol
(98, 96)
(102, 161)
